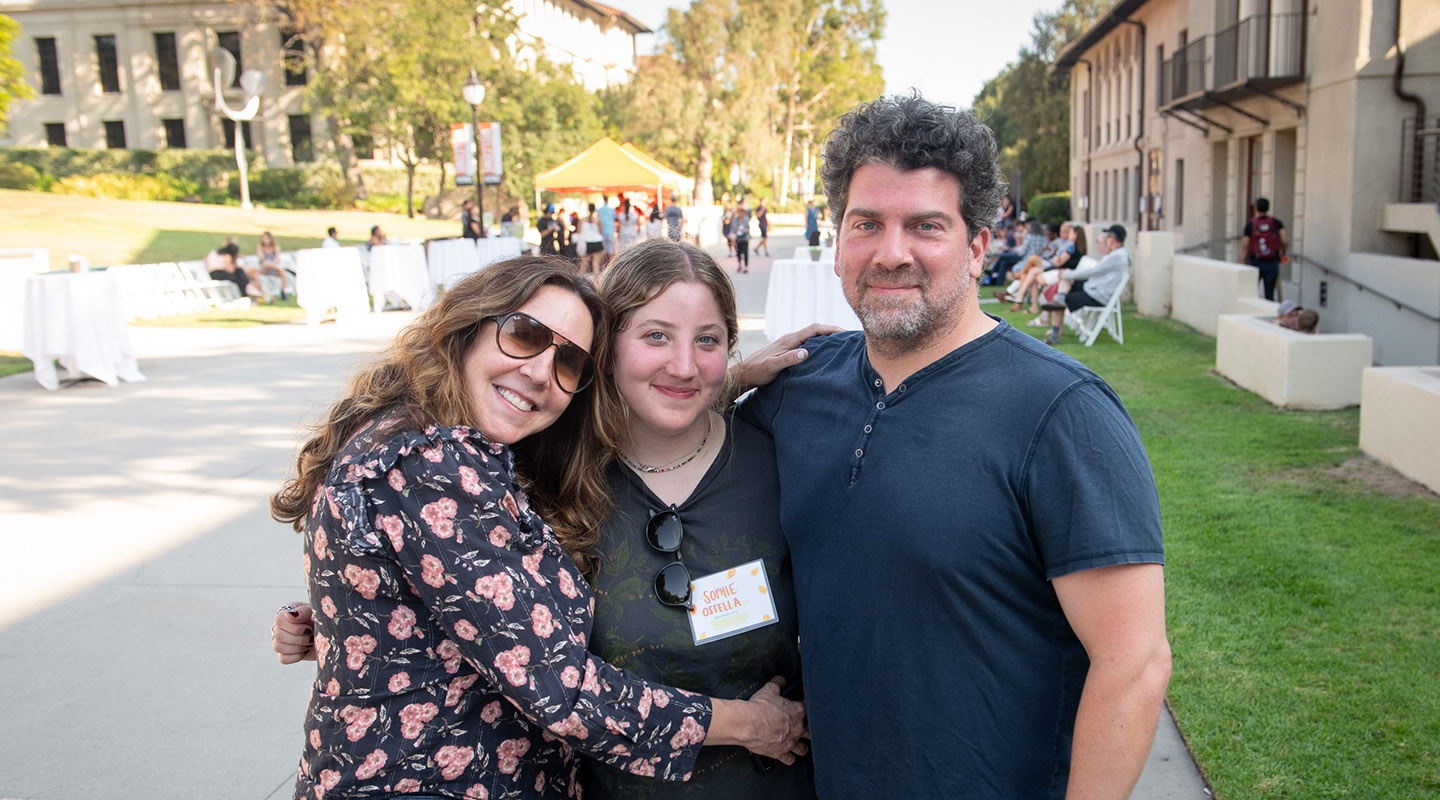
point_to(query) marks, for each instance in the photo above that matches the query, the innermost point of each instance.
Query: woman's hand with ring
(292, 636)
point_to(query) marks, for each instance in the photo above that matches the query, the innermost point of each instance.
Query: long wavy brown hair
(645, 270)
(420, 380)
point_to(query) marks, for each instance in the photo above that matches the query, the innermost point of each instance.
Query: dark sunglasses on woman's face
(672, 583)
(519, 335)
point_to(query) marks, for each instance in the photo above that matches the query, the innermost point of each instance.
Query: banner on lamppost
(490, 153)
(461, 144)
(462, 147)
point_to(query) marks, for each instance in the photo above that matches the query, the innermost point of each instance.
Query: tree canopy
(13, 85)
(399, 83)
(1029, 108)
(744, 83)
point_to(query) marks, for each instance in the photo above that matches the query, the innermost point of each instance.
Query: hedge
(1051, 209)
(205, 168)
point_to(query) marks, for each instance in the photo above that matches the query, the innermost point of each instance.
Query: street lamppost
(474, 92)
(252, 83)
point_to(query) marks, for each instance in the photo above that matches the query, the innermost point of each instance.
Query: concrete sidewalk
(141, 567)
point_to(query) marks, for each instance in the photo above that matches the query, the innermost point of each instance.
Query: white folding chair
(1088, 321)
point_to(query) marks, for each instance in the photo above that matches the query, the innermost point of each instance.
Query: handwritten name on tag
(731, 601)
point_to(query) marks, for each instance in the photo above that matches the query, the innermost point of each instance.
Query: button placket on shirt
(869, 427)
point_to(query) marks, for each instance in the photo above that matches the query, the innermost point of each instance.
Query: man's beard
(906, 323)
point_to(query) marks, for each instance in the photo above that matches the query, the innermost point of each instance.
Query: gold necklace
(649, 470)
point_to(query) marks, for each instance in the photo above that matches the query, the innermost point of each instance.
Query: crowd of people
(594, 239)
(513, 520)
(1048, 272)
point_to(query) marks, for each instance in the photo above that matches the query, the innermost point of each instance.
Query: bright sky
(945, 48)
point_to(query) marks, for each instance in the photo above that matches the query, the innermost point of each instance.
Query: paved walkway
(141, 569)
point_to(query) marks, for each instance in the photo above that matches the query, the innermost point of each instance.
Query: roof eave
(1070, 55)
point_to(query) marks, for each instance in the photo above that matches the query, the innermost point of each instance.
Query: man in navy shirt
(981, 611)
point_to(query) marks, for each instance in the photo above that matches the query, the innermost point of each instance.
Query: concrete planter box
(1397, 420)
(1306, 371)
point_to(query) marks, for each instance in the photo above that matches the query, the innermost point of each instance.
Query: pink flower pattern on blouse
(451, 638)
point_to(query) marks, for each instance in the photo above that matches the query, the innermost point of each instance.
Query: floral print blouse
(450, 632)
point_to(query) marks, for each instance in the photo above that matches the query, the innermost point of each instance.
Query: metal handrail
(1206, 245)
(1301, 258)
(1399, 304)
(1419, 140)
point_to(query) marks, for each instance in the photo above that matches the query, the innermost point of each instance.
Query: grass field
(1303, 582)
(111, 232)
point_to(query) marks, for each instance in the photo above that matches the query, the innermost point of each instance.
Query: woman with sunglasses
(452, 621)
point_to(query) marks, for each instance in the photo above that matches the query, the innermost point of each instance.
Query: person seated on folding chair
(223, 264)
(1093, 285)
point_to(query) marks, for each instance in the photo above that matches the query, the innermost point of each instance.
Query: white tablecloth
(330, 279)
(497, 248)
(399, 272)
(16, 265)
(802, 292)
(453, 259)
(77, 318)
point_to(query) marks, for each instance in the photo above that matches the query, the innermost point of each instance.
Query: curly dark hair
(910, 132)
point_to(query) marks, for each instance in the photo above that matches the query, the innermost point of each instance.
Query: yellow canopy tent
(612, 168)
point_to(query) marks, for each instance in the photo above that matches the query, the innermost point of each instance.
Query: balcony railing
(1183, 74)
(1419, 165)
(1260, 47)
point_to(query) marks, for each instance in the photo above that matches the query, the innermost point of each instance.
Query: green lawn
(110, 232)
(1303, 582)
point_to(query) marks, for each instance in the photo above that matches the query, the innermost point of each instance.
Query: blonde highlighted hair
(420, 380)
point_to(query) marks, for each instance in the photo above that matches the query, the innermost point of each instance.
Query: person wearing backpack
(1264, 244)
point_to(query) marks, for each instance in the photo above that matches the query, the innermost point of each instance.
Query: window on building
(1179, 205)
(114, 134)
(167, 62)
(292, 49)
(229, 126)
(174, 133)
(230, 41)
(302, 149)
(364, 146)
(55, 134)
(1125, 194)
(108, 63)
(49, 65)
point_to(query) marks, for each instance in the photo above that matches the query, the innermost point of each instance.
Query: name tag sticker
(731, 601)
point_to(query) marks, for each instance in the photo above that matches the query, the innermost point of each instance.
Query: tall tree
(736, 81)
(825, 65)
(1029, 108)
(392, 70)
(13, 85)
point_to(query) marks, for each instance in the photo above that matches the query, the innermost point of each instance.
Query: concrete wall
(1398, 409)
(1152, 270)
(1288, 368)
(1205, 288)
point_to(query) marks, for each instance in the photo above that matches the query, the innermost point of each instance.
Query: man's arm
(1245, 249)
(1118, 613)
(1108, 263)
